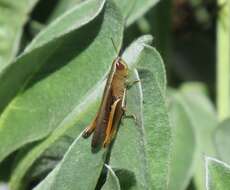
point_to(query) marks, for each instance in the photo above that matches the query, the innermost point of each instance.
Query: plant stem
(223, 60)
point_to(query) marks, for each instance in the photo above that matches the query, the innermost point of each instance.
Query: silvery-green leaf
(221, 138)
(112, 182)
(14, 15)
(78, 119)
(56, 89)
(141, 153)
(79, 169)
(184, 144)
(204, 120)
(217, 174)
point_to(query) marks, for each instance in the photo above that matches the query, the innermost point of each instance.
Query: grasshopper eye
(120, 66)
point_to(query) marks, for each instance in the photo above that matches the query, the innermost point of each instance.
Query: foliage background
(54, 56)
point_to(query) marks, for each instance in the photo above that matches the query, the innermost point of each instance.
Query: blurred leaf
(222, 134)
(57, 89)
(4, 186)
(217, 175)
(204, 121)
(132, 10)
(184, 145)
(14, 15)
(112, 182)
(194, 87)
(79, 117)
(138, 161)
(160, 21)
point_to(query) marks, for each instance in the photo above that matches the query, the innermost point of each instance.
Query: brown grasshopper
(112, 106)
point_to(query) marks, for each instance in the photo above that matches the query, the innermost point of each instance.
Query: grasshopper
(112, 107)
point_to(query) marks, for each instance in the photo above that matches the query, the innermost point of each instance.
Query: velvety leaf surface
(13, 16)
(78, 169)
(138, 161)
(131, 10)
(184, 144)
(217, 174)
(221, 137)
(77, 120)
(50, 41)
(51, 179)
(204, 120)
(57, 89)
(63, 6)
(155, 117)
(71, 128)
(112, 181)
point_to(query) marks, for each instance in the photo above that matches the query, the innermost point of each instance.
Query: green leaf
(221, 137)
(82, 94)
(57, 88)
(217, 174)
(51, 180)
(194, 87)
(184, 144)
(132, 10)
(204, 121)
(73, 125)
(48, 44)
(131, 54)
(78, 119)
(138, 161)
(12, 18)
(79, 169)
(112, 181)
(63, 6)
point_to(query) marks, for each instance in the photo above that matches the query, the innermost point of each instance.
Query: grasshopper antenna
(126, 18)
(115, 47)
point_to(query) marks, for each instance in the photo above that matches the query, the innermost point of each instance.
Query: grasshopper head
(121, 67)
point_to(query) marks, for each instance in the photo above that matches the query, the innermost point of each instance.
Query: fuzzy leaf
(63, 6)
(57, 89)
(217, 174)
(221, 137)
(184, 144)
(204, 120)
(112, 181)
(139, 161)
(40, 53)
(131, 10)
(51, 180)
(78, 119)
(78, 170)
(14, 15)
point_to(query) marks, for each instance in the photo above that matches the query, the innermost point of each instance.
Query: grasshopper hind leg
(90, 129)
(110, 127)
